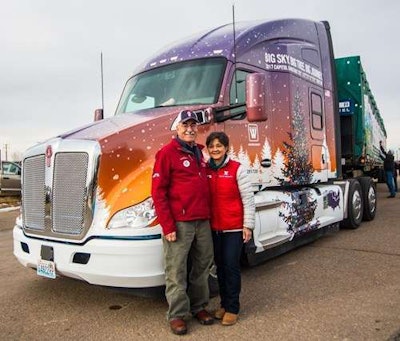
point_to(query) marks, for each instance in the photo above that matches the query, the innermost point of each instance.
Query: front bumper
(112, 262)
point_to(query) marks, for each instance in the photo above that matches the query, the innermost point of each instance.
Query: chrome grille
(69, 192)
(59, 182)
(34, 192)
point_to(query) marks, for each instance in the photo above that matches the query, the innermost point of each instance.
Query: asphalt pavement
(345, 286)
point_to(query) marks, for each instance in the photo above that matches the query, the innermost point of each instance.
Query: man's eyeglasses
(187, 125)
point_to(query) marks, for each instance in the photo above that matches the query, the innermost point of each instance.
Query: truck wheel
(368, 189)
(355, 206)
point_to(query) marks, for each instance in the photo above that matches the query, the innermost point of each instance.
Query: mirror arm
(225, 108)
(228, 107)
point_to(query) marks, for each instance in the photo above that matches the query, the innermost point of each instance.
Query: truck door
(249, 145)
(246, 139)
(319, 149)
(10, 177)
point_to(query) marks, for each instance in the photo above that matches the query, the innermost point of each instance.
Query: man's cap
(186, 115)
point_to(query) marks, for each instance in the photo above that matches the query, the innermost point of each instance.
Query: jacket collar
(185, 147)
(223, 164)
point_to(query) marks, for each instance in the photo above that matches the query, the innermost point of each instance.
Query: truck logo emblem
(49, 153)
(253, 132)
(186, 163)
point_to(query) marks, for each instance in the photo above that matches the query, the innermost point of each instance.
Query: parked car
(10, 178)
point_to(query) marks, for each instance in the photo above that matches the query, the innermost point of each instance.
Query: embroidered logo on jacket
(226, 175)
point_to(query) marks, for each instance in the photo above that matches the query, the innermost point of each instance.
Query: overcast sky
(50, 53)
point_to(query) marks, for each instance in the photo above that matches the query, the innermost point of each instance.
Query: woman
(232, 221)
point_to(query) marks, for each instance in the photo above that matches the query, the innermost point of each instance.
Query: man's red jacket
(179, 186)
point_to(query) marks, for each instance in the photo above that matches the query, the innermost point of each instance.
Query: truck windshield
(182, 83)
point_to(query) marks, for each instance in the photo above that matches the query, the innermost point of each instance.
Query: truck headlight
(18, 221)
(137, 216)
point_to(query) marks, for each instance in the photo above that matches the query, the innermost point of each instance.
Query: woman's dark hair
(220, 136)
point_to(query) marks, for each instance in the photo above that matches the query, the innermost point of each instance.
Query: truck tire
(368, 189)
(355, 206)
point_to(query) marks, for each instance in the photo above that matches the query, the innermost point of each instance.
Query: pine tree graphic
(266, 174)
(298, 213)
(297, 169)
(277, 165)
(231, 153)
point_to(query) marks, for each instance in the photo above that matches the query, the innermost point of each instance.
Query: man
(389, 168)
(181, 199)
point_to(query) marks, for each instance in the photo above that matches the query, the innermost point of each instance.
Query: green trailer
(361, 124)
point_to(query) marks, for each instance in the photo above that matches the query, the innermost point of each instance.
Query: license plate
(46, 268)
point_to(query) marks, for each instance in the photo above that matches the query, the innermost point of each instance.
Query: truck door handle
(266, 163)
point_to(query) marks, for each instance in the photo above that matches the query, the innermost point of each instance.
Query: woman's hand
(246, 234)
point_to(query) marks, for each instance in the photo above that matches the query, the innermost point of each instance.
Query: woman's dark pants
(227, 250)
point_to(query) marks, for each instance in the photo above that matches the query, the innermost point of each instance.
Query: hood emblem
(49, 154)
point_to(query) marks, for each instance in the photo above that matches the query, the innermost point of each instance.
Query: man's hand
(170, 237)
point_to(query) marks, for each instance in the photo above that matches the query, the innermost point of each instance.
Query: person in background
(395, 174)
(389, 168)
(181, 199)
(232, 222)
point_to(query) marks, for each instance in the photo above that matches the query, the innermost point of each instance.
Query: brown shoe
(219, 313)
(204, 317)
(178, 326)
(229, 319)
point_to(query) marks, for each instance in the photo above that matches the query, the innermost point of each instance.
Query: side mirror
(206, 115)
(98, 114)
(256, 97)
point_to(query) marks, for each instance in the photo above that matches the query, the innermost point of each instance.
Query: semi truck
(87, 211)
(361, 124)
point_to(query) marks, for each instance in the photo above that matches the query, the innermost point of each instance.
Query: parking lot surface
(345, 286)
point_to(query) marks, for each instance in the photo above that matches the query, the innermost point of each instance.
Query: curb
(7, 209)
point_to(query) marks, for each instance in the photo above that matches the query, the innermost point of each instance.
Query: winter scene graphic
(291, 162)
(332, 199)
(298, 213)
(291, 165)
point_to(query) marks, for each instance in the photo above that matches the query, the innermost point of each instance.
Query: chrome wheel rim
(372, 199)
(357, 205)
